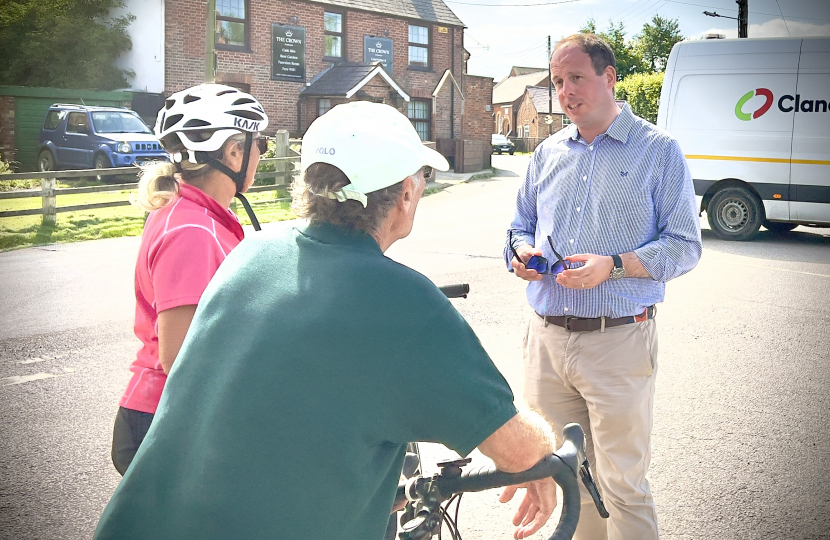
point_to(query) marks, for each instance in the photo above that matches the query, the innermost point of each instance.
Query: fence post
(281, 150)
(47, 186)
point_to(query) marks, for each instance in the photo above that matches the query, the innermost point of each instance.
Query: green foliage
(642, 92)
(63, 43)
(656, 40)
(628, 60)
(647, 51)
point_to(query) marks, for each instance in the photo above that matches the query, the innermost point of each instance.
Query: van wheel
(101, 162)
(46, 161)
(735, 214)
(776, 227)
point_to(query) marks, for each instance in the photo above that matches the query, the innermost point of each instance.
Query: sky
(505, 33)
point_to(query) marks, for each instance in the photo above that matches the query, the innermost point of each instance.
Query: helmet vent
(190, 98)
(172, 121)
(223, 92)
(195, 123)
(169, 103)
(243, 101)
(250, 115)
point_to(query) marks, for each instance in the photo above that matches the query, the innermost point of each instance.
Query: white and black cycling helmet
(198, 121)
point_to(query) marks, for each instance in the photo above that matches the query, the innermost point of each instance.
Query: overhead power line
(511, 5)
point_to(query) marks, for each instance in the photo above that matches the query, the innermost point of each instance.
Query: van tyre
(101, 162)
(45, 161)
(735, 214)
(777, 227)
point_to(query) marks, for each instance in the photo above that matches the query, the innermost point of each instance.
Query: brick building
(536, 119)
(508, 95)
(300, 58)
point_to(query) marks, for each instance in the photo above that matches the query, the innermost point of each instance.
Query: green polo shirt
(312, 360)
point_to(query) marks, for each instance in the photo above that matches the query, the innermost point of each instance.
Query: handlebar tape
(457, 290)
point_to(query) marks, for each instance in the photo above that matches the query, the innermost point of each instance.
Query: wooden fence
(284, 169)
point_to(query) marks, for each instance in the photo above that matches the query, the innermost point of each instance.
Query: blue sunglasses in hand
(539, 263)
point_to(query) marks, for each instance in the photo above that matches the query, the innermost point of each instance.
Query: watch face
(617, 273)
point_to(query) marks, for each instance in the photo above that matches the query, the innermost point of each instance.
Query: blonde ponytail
(157, 186)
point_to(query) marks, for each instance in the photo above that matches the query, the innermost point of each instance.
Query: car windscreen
(118, 122)
(499, 139)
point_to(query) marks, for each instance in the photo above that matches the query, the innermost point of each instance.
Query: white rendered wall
(147, 55)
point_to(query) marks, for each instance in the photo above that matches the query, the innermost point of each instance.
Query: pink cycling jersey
(182, 246)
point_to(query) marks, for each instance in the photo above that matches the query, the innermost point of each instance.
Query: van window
(53, 119)
(77, 123)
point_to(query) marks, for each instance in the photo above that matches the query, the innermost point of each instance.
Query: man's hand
(594, 270)
(536, 507)
(526, 252)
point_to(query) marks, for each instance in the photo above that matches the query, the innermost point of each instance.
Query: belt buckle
(567, 325)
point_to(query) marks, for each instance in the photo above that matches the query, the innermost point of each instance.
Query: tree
(656, 40)
(628, 61)
(642, 92)
(63, 43)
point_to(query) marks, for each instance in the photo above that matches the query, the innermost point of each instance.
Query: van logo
(786, 103)
(739, 107)
(326, 151)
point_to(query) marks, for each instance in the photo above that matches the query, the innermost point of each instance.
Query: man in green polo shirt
(313, 359)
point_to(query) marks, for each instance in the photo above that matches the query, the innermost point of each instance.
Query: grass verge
(27, 231)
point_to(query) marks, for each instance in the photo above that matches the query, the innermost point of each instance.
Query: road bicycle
(428, 498)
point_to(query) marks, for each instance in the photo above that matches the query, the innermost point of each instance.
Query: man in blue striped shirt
(606, 216)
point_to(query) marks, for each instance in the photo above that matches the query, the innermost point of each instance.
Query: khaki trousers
(605, 382)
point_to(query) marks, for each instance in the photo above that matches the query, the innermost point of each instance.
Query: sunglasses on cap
(540, 264)
(428, 172)
(261, 142)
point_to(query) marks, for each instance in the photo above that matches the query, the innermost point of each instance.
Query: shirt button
(585, 177)
(571, 240)
(577, 209)
(566, 309)
(591, 147)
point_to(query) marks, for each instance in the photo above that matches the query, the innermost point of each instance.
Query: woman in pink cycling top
(211, 130)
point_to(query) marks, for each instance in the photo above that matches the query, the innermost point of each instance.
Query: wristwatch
(618, 272)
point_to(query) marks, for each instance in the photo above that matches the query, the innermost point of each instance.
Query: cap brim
(435, 160)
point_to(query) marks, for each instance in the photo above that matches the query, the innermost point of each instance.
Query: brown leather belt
(581, 324)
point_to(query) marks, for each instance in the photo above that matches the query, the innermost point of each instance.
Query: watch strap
(617, 261)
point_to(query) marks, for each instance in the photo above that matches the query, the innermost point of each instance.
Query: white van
(753, 118)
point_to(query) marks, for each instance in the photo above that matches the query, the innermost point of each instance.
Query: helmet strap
(239, 177)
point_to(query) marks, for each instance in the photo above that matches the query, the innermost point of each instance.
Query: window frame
(246, 22)
(341, 34)
(427, 46)
(566, 121)
(320, 104)
(427, 120)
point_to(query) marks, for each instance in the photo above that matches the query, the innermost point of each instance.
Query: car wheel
(498, 152)
(101, 162)
(735, 214)
(776, 227)
(511, 152)
(45, 161)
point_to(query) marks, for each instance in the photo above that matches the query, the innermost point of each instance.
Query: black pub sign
(287, 52)
(378, 50)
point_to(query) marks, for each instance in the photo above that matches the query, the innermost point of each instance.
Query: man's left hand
(594, 270)
(536, 507)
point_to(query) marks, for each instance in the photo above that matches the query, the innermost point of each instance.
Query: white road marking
(32, 360)
(20, 379)
(777, 269)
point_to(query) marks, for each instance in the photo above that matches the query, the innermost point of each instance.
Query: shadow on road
(503, 173)
(797, 246)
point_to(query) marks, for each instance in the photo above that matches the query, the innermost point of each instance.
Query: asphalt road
(742, 408)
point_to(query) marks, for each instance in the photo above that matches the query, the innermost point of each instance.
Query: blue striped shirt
(629, 190)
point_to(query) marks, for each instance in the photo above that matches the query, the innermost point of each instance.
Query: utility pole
(210, 53)
(550, 90)
(743, 18)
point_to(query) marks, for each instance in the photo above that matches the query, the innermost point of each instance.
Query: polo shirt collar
(333, 234)
(619, 128)
(223, 215)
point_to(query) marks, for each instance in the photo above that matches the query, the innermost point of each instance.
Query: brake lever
(590, 485)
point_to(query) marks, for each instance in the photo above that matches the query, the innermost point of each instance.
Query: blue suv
(82, 137)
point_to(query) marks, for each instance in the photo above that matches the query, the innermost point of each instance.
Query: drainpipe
(452, 86)
(210, 53)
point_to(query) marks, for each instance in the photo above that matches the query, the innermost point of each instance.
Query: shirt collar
(619, 128)
(223, 215)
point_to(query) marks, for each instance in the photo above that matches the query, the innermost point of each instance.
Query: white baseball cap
(373, 144)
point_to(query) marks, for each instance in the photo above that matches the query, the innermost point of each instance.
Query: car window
(53, 119)
(118, 122)
(77, 123)
(499, 138)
